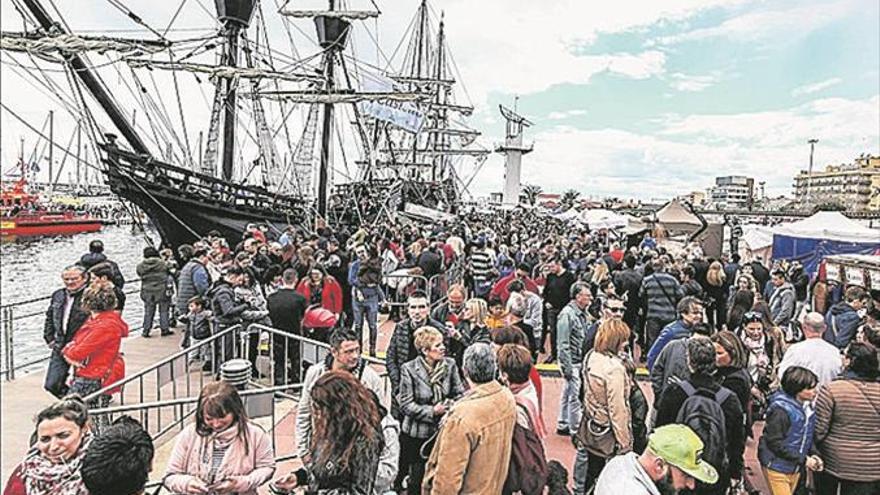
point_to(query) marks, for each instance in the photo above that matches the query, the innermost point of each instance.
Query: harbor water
(30, 270)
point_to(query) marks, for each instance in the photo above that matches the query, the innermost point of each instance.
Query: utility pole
(812, 142)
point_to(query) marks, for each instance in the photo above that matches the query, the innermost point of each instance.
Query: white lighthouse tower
(513, 150)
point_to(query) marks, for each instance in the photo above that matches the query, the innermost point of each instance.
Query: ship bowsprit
(185, 205)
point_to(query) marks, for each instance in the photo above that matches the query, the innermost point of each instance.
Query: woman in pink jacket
(223, 452)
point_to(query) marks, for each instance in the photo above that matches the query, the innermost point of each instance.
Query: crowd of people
(725, 343)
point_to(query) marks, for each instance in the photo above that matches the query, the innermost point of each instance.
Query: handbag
(598, 439)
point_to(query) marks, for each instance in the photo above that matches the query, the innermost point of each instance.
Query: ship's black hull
(185, 206)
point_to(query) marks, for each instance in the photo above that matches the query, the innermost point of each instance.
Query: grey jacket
(624, 475)
(368, 377)
(416, 398)
(672, 362)
(571, 327)
(154, 277)
(782, 304)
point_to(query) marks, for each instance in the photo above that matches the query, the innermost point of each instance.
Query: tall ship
(291, 137)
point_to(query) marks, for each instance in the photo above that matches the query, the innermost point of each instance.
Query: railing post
(10, 347)
(9, 356)
(5, 317)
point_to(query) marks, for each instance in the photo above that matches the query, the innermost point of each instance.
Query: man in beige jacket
(472, 451)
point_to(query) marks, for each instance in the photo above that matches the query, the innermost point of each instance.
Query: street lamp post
(812, 143)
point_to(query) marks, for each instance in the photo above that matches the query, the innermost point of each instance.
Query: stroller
(318, 323)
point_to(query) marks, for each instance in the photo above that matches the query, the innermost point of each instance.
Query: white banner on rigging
(402, 114)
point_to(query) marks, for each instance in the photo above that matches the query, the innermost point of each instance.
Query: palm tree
(569, 198)
(531, 192)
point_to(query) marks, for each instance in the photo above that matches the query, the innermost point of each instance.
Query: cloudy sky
(644, 99)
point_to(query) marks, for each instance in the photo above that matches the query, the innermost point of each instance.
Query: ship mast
(332, 35)
(235, 15)
(81, 69)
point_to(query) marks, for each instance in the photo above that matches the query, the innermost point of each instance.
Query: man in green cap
(670, 463)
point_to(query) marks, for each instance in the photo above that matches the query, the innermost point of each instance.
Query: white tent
(603, 219)
(569, 215)
(829, 225)
(756, 243)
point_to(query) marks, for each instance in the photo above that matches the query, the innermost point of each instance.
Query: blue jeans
(587, 468)
(570, 402)
(370, 306)
(150, 312)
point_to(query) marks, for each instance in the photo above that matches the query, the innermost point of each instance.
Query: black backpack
(702, 412)
(528, 470)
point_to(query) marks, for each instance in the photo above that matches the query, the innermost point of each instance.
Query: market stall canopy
(825, 233)
(600, 218)
(675, 217)
(568, 215)
(831, 225)
(757, 243)
(757, 237)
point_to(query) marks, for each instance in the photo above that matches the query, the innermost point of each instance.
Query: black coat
(740, 383)
(402, 349)
(53, 330)
(89, 260)
(286, 310)
(672, 399)
(227, 311)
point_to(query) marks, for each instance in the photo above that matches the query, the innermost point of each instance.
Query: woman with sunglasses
(764, 352)
(57, 449)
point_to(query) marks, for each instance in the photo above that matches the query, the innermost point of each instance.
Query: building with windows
(853, 186)
(733, 192)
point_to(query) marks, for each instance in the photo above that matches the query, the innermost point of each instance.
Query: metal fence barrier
(163, 416)
(401, 285)
(19, 313)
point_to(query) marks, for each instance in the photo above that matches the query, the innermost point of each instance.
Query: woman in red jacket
(94, 350)
(322, 290)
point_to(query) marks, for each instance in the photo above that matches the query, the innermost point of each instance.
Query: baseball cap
(680, 446)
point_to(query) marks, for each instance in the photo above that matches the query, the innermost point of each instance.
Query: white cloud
(690, 151)
(754, 26)
(566, 114)
(693, 82)
(529, 49)
(815, 87)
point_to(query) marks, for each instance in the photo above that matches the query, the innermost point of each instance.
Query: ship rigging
(283, 129)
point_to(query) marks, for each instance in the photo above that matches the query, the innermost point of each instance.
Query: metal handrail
(8, 317)
(46, 298)
(163, 362)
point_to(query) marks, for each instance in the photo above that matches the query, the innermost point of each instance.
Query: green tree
(569, 198)
(531, 192)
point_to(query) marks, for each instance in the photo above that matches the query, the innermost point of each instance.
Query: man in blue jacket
(690, 312)
(843, 319)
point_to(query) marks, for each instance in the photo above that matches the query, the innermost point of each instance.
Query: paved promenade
(23, 397)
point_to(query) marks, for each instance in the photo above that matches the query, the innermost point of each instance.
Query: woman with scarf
(52, 465)
(764, 350)
(223, 452)
(351, 452)
(428, 385)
